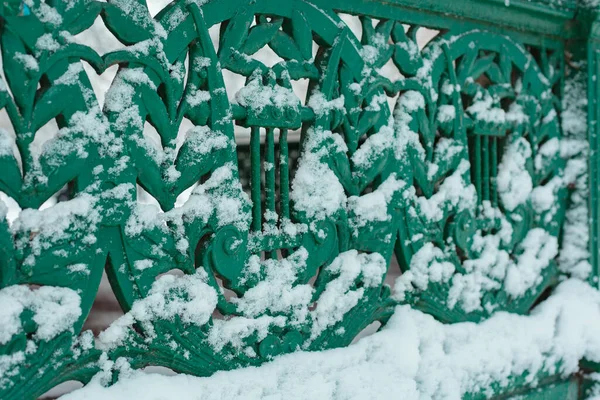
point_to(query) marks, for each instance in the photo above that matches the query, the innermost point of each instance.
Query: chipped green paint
(476, 95)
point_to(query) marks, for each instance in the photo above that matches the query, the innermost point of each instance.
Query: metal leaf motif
(231, 237)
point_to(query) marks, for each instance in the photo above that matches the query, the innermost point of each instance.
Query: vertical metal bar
(270, 170)
(270, 181)
(256, 178)
(494, 164)
(478, 180)
(593, 58)
(284, 174)
(485, 150)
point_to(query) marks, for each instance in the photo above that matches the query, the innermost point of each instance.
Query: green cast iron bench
(431, 133)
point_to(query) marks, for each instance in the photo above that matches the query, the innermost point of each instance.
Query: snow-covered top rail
(250, 171)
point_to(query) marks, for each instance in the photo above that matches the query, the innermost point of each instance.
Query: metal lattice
(431, 154)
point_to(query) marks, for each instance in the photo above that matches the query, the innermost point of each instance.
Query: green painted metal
(239, 224)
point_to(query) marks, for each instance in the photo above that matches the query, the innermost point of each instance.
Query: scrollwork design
(460, 179)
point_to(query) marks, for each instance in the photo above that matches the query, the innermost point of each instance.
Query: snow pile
(414, 357)
(256, 95)
(188, 297)
(202, 140)
(374, 147)
(278, 300)
(574, 256)
(427, 266)
(371, 53)
(9, 367)
(121, 96)
(594, 392)
(374, 206)
(483, 109)
(340, 294)
(54, 310)
(321, 106)
(220, 200)
(40, 230)
(196, 96)
(275, 291)
(491, 267)
(220, 196)
(455, 194)
(514, 182)
(408, 104)
(316, 190)
(539, 248)
(272, 301)
(275, 299)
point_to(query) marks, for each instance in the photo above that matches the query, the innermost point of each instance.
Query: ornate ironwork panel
(421, 134)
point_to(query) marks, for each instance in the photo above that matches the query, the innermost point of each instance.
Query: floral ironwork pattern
(451, 163)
